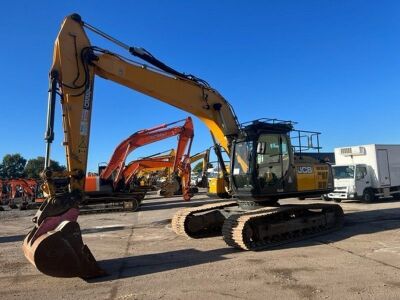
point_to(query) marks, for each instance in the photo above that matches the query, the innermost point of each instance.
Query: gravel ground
(146, 260)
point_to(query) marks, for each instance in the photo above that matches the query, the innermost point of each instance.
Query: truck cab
(366, 172)
(351, 181)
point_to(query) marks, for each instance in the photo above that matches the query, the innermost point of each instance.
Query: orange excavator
(113, 181)
(4, 193)
(264, 166)
(28, 188)
(23, 188)
(155, 162)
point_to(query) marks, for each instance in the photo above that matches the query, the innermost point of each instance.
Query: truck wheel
(325, 198)
(337, 200)
(368, 196)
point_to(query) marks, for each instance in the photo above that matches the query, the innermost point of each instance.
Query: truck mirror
(261, 147)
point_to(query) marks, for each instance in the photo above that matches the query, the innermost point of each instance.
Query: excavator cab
(263, 164)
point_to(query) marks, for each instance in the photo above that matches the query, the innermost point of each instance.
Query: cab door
(272, 162)
(362, 179)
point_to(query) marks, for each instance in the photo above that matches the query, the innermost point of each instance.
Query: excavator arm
(24, 184)
(134, 167)
(139, 165)
(116, 164)
(75, 64)
(205, 156)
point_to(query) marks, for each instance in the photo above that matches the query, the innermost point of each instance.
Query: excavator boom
(24, 184)
(143, 137)
(154, 162)
(205, 156)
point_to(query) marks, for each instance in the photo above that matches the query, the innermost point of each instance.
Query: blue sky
(332, 66)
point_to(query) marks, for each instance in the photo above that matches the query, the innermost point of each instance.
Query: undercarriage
(260, 228)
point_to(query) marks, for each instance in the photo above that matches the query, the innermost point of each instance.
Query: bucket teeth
(62, 253)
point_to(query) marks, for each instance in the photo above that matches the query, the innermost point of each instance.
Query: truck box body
(383, 159)
(382, 165)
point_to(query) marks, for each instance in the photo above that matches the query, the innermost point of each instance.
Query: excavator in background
(158, 162)
(4, 194)
(263, 168)
(26, 189)
(217, 186)
(173, 182)
(112, 183)
(137, 170)
(205, 157)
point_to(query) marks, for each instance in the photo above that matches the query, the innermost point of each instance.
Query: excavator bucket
(62, 253)
(169, 187)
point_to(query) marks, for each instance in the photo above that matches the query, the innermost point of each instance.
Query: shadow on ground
(163, 203)
(17, 238)
(167, 204)
(133, 266)
(359, 222)
(356, 223)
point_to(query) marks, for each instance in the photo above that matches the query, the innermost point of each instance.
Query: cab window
(361, 172)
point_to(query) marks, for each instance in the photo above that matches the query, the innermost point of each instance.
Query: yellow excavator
(204, 156)
(263, 164)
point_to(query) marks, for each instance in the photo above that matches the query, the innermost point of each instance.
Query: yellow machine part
(216, 186)
(312, 177)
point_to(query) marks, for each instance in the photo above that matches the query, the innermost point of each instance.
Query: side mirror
(360, 176)
(261, 147)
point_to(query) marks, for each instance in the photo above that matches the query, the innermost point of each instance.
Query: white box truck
(366, 172)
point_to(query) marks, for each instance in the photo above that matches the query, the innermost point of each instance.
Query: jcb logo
(87, 99)
(304, 170)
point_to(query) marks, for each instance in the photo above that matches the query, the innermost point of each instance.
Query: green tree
(35, 166)
(12, 166)
(198, 168)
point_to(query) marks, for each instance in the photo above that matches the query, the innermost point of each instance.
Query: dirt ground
(146, 260)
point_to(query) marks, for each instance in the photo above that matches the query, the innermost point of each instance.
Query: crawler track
(182, 217)
(268, 227)
(89, 211)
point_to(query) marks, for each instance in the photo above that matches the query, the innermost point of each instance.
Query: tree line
(16, 166)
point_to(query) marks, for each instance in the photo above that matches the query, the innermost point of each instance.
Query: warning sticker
(84, 128)
(85, 115)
